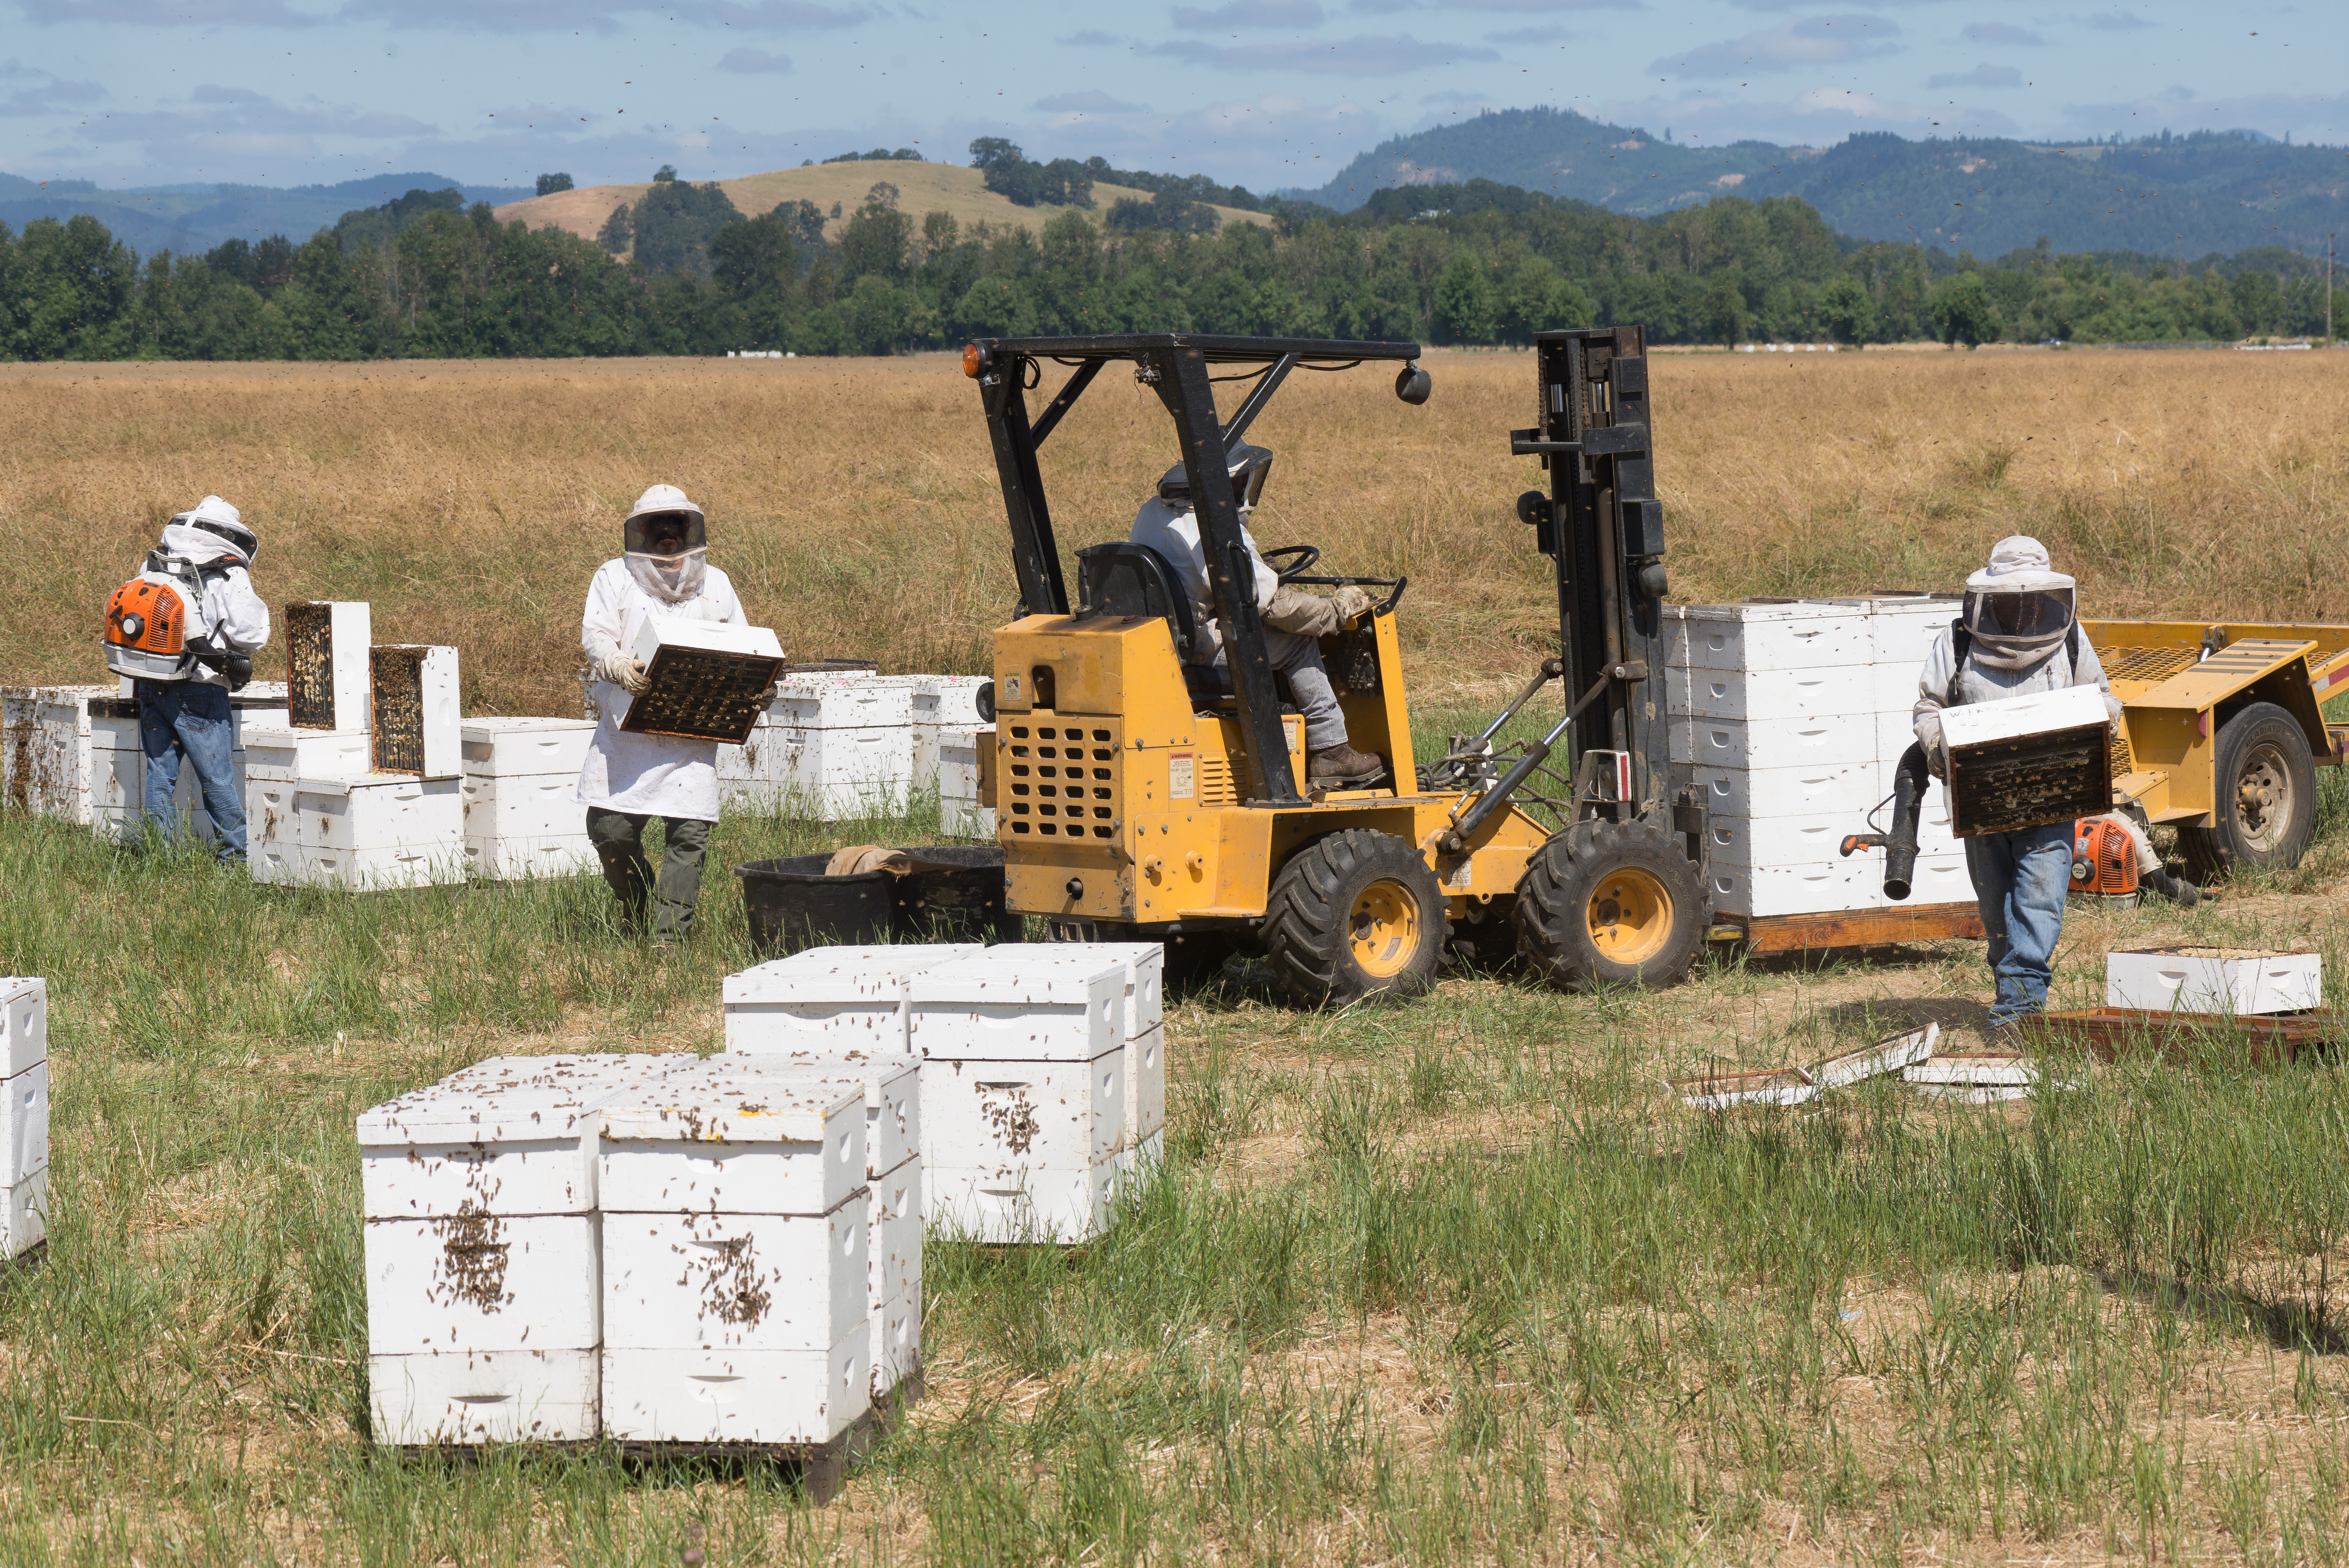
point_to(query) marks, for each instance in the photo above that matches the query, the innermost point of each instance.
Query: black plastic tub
(792, 904)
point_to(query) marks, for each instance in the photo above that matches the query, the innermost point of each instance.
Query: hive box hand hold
(414, 696)
(2027, 761)
(702, 678)
(326, 645)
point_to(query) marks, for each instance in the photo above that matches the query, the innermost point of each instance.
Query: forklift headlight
(1413, 386)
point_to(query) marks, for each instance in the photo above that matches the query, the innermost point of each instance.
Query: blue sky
(1262, 92)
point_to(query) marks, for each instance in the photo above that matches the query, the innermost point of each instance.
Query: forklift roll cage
(1177, 365)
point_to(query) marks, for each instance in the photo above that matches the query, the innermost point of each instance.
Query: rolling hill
(2222, 191)
(194, 218)
(921, 187)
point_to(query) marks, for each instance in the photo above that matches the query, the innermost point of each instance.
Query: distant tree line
(681, 271)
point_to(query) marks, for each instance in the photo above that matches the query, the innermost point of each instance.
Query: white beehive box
(483, 1254)
(1009, 1005)
(1022, 1152)
(1022, 1204)
(1823, 740)
(376, 830)
(830, 1001)
(1752, 793)
(517, 860)
(462, 1398)
(44, 749)
(2198, 979)
(1901, 632)
(945, 712)
(735, 1227)
(846, 699)
(328, 643)
(1761, 638)
(1831, 691)
(525, 747)
(412, 704)
(24, 1056)
(280, 752)
(959, 814)
(526, 805)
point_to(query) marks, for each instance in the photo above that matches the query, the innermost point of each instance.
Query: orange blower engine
(147, 621)
(2104, 862)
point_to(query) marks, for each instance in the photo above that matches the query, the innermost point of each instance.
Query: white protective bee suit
(650, 775)
(236, 619)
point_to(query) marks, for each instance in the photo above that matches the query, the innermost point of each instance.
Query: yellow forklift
(1145, 789)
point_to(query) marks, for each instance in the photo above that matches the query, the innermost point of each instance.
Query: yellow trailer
(2222, 730)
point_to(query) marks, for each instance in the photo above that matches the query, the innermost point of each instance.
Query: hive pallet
(1854, 928)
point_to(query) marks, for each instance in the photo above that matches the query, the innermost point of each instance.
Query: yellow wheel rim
(1384, 928)
(1631, 916)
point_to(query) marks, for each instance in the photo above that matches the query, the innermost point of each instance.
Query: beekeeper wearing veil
(629, 779)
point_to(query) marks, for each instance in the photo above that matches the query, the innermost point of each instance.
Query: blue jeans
(2019, 881)
(191, 719)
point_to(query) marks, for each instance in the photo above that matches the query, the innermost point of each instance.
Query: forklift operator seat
(1134, 580)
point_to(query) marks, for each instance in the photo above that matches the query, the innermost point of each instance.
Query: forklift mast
(1603, 525)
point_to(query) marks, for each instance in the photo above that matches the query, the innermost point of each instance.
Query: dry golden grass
(921, 188)
(855, 503)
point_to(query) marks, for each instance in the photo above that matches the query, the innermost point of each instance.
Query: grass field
(1454, 1280)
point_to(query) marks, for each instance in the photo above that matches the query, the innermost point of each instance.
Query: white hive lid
(730, 1100)
(839, 974)
(989, 981)
(2007, 719)
(512, 1099)
(490, 728)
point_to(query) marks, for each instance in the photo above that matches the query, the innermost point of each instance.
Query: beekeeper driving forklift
(2019, 633)
(1293, 620)
(628, 779)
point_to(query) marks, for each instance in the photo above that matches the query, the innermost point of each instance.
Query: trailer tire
(1607, 904)
(1354, 915)
(2264, 778)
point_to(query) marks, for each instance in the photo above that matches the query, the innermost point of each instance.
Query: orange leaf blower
(148, 621)
(2104, 862)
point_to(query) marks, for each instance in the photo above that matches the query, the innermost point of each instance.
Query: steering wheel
(1310, 554)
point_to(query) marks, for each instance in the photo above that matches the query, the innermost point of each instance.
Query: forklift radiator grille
(1062, 778)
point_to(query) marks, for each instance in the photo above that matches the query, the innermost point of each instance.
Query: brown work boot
(1341, 767)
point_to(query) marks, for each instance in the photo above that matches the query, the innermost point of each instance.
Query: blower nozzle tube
(1908, 783)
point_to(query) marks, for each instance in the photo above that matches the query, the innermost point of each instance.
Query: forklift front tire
(1610, 903)
(1354, 915)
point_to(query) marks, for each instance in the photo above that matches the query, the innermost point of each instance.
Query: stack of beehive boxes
(483, 1249)
(736, 1222)
(838, 745)
(1023, 1091)
(25, 1058)
(948, 733)
(1794, 714)
(75, 753)
(521, 812)
(843, 1009)
(361, 787)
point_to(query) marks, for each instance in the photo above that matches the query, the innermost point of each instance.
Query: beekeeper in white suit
(630, 778)
(190, 718)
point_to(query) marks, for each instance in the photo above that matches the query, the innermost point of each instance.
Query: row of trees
(418, 277)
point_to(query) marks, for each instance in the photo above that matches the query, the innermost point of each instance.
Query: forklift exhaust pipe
(1908, 783)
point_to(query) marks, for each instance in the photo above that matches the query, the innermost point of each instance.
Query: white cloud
(1358, 56)
(2117, 21)
(754, 62)
(1980, 76)
(1249, 13)
(174, 13)
(2309, 116)
(593, 16)
(1811, 42)
(1088, 102)
(1999, 33)
(27, 90)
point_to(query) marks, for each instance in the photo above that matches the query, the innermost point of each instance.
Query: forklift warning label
(1180, 774)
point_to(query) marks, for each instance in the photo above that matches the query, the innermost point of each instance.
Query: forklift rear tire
(1610, 903)
(2265, 781)
(1354, 915)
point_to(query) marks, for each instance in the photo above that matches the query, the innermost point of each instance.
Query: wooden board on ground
(2266, 1039)
(1857, 927)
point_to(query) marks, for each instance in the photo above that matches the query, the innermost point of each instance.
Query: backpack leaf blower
(155, 626)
